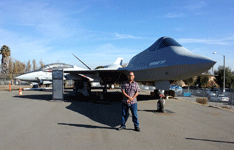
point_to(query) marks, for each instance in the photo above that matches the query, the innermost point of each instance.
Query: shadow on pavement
(86, 126)
(156, 112)
(110, 96)
(45, 97)
(106, 111)
(209, 140)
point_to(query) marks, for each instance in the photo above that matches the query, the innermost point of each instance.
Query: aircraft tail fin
(119, 61)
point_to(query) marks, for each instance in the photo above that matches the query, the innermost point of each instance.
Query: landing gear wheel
(160, 106)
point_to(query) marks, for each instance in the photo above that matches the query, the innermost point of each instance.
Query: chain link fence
(205, 93)
(5, 79)
(195, 93)
(212, 96)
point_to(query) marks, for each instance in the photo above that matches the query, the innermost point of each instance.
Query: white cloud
(197, 5)
(188, 9)
(175, 15)
(109, 50)
(204, 41)
(107, 54)
(125, 36)
(24, 47)
(29, 28)
(178, 29)
(42, 19)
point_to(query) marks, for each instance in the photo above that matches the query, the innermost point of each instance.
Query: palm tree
(6, 52)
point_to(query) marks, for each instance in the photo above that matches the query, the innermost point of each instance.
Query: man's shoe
(121, 127)
(137, 129)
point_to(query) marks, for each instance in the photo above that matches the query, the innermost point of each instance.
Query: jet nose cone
(203, 60)
(187, 57)
(18, 77)
(21, 77)
(212, 62)
(206, 63)
(191, 64)
(201, 63)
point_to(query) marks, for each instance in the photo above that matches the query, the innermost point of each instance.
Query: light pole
(223, 70)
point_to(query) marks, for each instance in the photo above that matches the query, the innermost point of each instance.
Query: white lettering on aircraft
(157, 63)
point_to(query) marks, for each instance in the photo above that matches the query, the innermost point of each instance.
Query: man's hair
(131, 72)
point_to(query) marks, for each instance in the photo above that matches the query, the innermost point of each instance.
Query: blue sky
(99, 31)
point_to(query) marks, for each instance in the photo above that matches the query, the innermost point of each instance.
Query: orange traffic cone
(20, 91)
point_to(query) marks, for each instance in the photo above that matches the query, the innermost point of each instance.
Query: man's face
(131, 76)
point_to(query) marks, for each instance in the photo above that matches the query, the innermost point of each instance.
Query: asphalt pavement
(33, 121)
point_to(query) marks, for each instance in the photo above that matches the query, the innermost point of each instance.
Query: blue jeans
(125, 114)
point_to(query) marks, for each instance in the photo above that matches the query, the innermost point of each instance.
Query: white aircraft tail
(119, 61)
(117, 64)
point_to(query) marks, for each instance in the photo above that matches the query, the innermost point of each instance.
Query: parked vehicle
(223, 98)
(220, 98)
(211, 94)
(213, 98)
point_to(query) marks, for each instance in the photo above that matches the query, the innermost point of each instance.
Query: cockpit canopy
(55, 65)
(164, 42)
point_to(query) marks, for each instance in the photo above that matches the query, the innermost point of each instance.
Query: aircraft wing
(104, 75)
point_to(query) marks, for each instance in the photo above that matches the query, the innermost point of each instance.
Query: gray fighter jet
(43, 76)
(163, 61)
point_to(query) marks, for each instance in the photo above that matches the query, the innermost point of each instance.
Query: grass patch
(225, 107)
(201, 100)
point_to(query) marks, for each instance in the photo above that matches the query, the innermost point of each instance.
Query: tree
(28, 68)
(41, 63)
(220, 77)
(99, 67)
(232, 83)
(19, 67)
(176, 82)
(125, 65)
(189, 81)
(34, 64)
(204, 81)
(6, 52)
(11, 67)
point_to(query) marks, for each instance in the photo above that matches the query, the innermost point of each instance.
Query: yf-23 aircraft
(163, 61)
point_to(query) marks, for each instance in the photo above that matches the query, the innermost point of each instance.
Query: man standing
(130, 91)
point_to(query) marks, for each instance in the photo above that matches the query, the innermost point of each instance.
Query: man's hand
(126, 95)
(129, 100)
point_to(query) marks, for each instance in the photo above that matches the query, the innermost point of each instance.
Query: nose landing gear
(161, 103)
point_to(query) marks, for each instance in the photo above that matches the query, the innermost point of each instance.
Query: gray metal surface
(162, 61)
(57, 76)
(31, 122)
